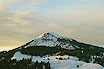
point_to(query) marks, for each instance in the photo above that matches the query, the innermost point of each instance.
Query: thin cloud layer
(24, 20)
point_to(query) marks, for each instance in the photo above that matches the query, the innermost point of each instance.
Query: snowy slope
(51, 39)
(69, 62)
(102, 46)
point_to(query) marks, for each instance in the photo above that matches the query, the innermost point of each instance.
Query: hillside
(59, 51)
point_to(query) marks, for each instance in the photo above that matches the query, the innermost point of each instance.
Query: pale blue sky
(23, 20)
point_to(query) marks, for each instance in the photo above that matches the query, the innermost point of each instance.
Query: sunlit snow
(67, 62)
(51, 39)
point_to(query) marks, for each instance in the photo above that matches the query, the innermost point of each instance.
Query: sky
(24, 20)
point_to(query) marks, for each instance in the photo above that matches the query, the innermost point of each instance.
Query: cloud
(79, 20)
(20, 27)
(36, 2)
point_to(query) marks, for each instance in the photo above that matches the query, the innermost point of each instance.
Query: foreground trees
(23, 64)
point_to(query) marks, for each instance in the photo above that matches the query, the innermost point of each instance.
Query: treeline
(7, 54)
(99, 61)
(83, 54)
(86, 55)
(23, 64)
(41, 50)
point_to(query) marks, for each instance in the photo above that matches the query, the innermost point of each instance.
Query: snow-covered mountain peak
(52, 36)
(51, 39)
(49, 35)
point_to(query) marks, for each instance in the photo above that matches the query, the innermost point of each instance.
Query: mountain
(51, 39)
(61, 52)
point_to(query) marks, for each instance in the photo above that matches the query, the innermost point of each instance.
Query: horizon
(24, 20)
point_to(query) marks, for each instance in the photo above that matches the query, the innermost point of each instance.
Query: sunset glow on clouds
(24, 20)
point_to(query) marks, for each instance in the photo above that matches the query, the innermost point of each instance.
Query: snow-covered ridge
(51, 39)
(102, 46)
(49, 35)
(68, 62)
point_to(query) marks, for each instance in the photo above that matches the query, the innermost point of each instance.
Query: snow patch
(91, 66)
(71, 47)
(66, 63)
(20, 56)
